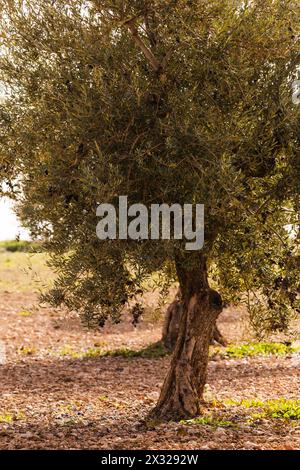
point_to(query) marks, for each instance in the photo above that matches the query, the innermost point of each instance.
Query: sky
(9, 224)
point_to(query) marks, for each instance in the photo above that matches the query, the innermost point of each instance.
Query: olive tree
(165, 102)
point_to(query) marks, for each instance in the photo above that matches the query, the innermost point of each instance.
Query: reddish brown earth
(50, 400)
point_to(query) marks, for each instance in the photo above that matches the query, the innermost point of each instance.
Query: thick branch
(155, 64)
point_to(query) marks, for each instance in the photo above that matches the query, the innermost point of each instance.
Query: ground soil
(51, 400)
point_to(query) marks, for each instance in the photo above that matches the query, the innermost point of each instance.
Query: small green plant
(93, 352)
(69, 414)
(256, 349)
(280, 408)
(69, 351)
(21, 246)
(27, 350)
(246, 403)
(6, 418)
(152, 351)
(103, 398)
(209, 420)
(24, 313)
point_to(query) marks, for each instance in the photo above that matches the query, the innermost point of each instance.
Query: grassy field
(23, 272)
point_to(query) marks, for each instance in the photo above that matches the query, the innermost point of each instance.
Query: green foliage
(257, 349)
(6, 418)
(68, 351)
(152, 351)
(25, 313)
(27, 350)
(103, 398)
(283, 409)
(20, 246)
(280, 408)
(209, 420)
(88, 116)
(10, 417)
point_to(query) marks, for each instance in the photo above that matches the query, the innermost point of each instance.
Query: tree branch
(130, 24)
(155, 64)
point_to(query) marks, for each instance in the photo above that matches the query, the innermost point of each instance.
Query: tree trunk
(182, 392)
(171, 325)
(217, 337)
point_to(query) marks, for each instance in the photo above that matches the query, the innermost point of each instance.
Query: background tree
(174, 102)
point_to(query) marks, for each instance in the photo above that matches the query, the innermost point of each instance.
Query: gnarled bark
(172, 321)
(182, 392)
